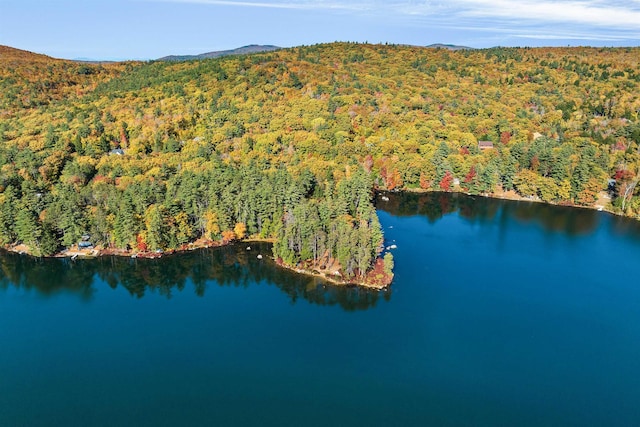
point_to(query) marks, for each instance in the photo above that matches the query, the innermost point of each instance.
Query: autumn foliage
(446, 181)
(282, 142)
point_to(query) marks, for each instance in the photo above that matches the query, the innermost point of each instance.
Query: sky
(149, 29)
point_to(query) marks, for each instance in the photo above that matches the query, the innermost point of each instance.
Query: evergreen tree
(8, 203)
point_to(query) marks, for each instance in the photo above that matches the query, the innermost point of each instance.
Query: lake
(501, 313)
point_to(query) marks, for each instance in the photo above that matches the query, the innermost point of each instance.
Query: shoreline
(333, 280)
(74, 252)
(96, 252)
(512, 197)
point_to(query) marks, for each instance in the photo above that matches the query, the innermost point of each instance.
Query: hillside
(244, 50)
(12, 56)
(29, 80)
(289, 144)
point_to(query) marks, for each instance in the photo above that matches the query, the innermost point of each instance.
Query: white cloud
(612, 14)
(603, 20)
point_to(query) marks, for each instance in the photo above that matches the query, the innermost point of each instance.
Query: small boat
(259, 256)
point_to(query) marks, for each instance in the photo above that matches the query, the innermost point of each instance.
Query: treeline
(213, 201)
(341, 225)
(28, 80)
(230, 266)
(280, 144)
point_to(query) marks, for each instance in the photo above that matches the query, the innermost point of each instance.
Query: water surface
(501, 313)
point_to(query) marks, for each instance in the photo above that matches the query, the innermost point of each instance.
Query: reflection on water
(482, 210)
(235, 266)
(499, 316)
(226, 266)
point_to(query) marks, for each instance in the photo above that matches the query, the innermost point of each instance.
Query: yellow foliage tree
(212, 229)
(240, 230)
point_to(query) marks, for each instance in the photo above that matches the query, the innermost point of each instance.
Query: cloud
(598, 20)
(594, 12)
(613, 13)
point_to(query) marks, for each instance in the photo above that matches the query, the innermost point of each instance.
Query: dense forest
(290, 145)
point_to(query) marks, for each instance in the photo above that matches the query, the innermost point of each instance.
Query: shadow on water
(482, 210)
(231, 266)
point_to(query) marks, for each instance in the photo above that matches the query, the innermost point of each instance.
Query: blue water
(501, 313)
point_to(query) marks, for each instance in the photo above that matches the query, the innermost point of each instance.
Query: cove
(501, 313)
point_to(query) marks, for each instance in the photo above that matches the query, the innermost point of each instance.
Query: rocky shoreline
(374, 279)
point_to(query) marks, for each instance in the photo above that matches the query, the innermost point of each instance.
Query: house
(117, 151)
(483, 145)
(85, 245)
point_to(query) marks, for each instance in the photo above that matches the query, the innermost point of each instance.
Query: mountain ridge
(252, 48)
(14, 53)
(449, 46)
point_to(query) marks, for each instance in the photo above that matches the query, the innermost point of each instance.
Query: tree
(228, 236)
(49, 243)
(526, 183)
(126, 224)
(508, 172)
(27, 227)
(182, 228)
(488, 178)
(626, 185)
(155, 236)
(388, 263)
(212, 229)
(67, 214)
(446, 181)
(240, 230)
(8, 201)
(505, 137)
(589, 193)
(580, 176)
(470, 181)
(424, 182)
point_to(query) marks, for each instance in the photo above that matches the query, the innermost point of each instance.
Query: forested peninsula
(290, 145)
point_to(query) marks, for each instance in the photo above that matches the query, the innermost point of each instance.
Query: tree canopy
(290, 144)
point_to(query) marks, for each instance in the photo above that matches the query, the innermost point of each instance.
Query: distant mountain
(449, 46)
(95, 61)
(252, 48)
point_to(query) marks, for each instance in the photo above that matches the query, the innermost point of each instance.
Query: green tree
(8, 203)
